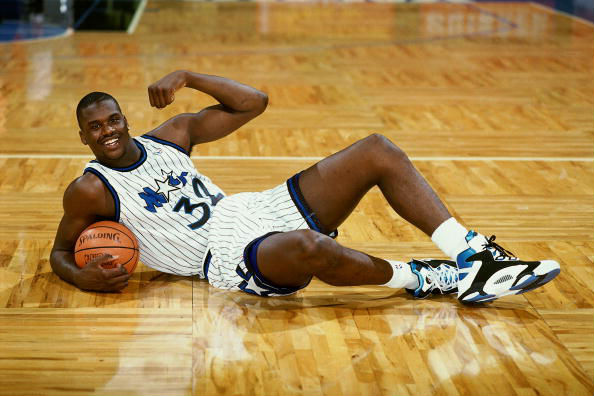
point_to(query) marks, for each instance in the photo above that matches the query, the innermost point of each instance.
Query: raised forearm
(232, 94)
(238, 104)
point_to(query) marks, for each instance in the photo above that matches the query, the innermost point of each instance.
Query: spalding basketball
(107, 237)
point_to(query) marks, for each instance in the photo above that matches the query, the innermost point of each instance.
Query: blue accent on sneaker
(550, 276)
(461, 259)
(541, 281)
(497, 263)
(471, 234)
(463, 256)
(481, 298)
(462, 263)
(435, 276)
(414, 270)
(525, 283)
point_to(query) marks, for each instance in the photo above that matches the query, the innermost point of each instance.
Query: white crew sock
(402, 276)
(450, 237)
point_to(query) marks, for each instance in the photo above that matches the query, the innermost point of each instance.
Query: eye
(114, 120)
(94, 126)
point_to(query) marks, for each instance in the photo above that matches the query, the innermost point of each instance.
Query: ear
(82, 137)
(126, 122)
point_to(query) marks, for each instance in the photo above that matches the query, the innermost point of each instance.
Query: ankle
(402, 276)
(450, 237)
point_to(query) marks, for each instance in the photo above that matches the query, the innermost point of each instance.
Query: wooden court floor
(494, 103)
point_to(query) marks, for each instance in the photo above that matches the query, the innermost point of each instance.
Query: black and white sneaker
(487, 271)
(435, 277)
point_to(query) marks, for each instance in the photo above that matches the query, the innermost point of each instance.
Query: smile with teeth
(111, 142)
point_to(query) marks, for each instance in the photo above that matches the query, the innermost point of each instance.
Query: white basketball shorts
(240, 222)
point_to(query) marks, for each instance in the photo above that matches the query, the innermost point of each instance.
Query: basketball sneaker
(487, 271)
(435, 277)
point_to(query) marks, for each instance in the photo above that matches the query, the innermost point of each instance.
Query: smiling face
(104, 129)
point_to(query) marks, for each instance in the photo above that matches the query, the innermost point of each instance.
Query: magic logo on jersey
(155, 198)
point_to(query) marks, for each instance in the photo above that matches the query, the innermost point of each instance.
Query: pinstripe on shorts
(240, 222)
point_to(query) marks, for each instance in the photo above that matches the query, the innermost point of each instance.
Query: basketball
(107, 237)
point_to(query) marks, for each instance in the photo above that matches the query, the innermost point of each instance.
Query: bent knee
(317, 251)
(380, 147)
(311, 244)
(382, 152)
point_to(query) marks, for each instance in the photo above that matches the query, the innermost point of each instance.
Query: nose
(109, 129)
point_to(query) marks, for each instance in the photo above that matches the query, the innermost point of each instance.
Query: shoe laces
(446, 277)
(503, 253)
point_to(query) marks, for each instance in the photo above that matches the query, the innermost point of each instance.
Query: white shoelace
(445, 277)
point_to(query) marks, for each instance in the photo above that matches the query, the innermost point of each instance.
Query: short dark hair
(91, 98)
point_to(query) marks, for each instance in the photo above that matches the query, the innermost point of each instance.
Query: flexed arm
(238, 104)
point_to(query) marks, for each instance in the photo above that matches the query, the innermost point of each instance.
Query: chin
(109, 156)
(115, 151)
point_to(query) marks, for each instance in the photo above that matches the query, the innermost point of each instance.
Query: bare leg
(292, 258)
(332, 188)
(335, 185)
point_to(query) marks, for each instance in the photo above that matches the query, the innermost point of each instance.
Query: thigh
(244, 225)
(334, 186)
(266, 266)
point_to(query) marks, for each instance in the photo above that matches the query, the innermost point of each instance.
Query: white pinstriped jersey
(165, 202)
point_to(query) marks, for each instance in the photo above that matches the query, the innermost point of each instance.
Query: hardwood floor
(492, 101)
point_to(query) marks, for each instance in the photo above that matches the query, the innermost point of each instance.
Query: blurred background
(30, 19)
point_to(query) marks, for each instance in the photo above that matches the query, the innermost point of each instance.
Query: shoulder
(86, 186)
(87, 194)
(175, 130)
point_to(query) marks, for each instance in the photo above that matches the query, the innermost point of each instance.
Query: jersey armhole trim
(166, 143)
(114, 194)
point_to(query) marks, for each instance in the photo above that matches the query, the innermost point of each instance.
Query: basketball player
(270, 243)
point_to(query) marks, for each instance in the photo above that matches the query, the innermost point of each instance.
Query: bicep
(82, 207)
(69, 229)
(216, 122)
